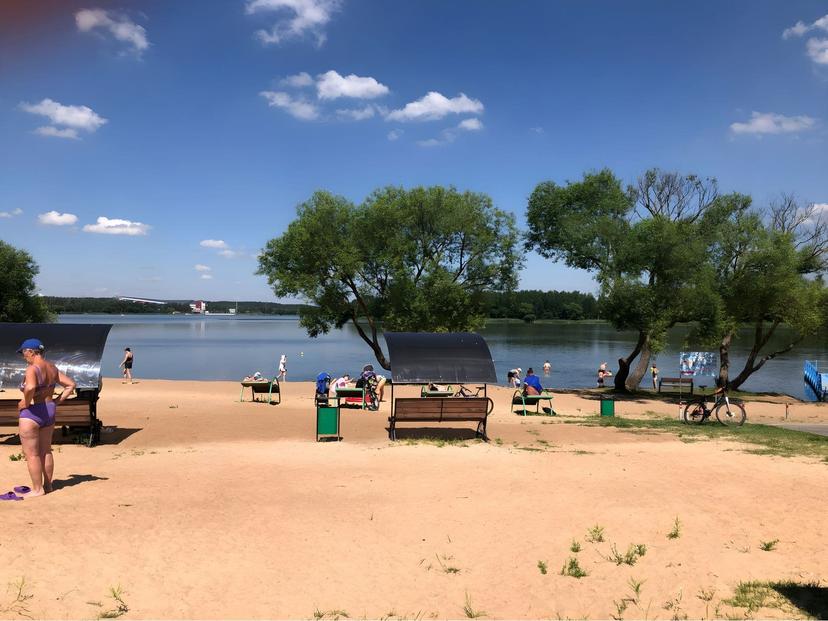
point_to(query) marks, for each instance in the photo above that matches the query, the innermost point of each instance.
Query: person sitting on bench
(531, 383)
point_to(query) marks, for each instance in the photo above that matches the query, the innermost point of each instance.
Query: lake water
(228, 348)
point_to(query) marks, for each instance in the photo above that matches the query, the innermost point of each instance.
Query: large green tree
(18, 300)
(643, 243)
(410, 260)
(769, 273)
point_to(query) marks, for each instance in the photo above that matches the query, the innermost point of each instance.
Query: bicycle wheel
(732, 415)
(695, 413)
(372, 401)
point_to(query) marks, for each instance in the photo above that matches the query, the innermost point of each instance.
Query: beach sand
(198, 506)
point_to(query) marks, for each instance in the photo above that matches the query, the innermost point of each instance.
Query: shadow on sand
(75, 479)
(435, 433)
(109, 435)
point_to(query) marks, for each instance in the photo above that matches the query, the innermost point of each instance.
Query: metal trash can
(607, 406)
(327, 422)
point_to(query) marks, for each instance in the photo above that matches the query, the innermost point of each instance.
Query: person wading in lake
(127, 364)
(283, 368)
(603, 372)
(37, 416)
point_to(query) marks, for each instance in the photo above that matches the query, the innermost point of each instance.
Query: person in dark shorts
(127, 364)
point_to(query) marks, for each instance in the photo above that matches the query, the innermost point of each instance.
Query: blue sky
(186, 124)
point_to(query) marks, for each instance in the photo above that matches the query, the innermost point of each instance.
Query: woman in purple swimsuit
(37, 414)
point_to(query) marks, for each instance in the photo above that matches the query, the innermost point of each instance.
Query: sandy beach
(198, 506)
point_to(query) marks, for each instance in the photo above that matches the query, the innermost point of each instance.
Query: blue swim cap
(30, 344)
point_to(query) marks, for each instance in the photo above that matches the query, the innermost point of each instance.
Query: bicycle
(467, 393)
(728, 413)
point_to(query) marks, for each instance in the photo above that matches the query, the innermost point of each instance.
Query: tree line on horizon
(667, 249)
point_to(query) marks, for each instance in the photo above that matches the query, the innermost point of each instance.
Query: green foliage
(19, 301)
(595, 534)
(542, 567)
(415, 260)
(118, 307)
(573, 568)
(571, 305)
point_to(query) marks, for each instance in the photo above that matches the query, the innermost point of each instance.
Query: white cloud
(800, 27)
(301, 17)
(206, 276)
(11, 214)
(331, 85)
(770, 123)
(115, 226)
(434, 106)
(53, 218)
(395, 134)
(202, 268)
(213, 243)
(73, 117)
(470, 125)
(297, 108)
(536, 130)
(357, 114)
(446, 137)
(119, 27)
(229, 254)
(300, 80)
(818, 50)
(54, 132)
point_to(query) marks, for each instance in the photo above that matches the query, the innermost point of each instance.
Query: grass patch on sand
(769, 440)
(18, 603)
(438, 442)
(808, 599)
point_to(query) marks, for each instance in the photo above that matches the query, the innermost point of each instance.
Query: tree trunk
(624, 363)
(634, 379)
(373, 343)
(724, 360)
(760, 340)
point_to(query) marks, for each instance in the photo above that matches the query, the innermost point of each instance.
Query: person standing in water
(283, 368)
(126, 363)
(547, 368)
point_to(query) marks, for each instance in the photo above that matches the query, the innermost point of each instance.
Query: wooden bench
(529, 400)
(441, 409)
(676, 381)
(261, 387)
(76, 414)
(343, 394)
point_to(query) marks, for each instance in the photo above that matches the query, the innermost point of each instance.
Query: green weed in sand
(768, 546)
(595, 534)
(573, 568)
(575, 546)
(469, 611)
(542, 567)
(330, 614)
(809, 599)
(633, 553)
(119, 608)
(16, 457)
(676, 532)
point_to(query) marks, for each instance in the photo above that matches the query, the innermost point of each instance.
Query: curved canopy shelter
(440, 358)
(76, 349)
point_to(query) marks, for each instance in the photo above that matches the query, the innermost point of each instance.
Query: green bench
(262, 387)
(527, 401)
(426, 393)
(342, 394)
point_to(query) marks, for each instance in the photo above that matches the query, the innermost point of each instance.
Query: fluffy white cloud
(470, 125)
(229, 254)
(770, 123)
(202, 268)
(213, 243)
(11, 214)
(818, 50)
(357, 114)
(74, 117)
(300, 80)
(54, 218)
(116, 226)
(119, 27)
(206, 276)
(54, 132)
(395, 134)
(800, 27)
(435, 106)
(300, 17)
(298, 108)
(331, 85)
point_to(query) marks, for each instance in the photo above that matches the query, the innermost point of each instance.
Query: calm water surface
(228, 348)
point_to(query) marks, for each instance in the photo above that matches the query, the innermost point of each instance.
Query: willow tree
(19, 301)
(403, 260)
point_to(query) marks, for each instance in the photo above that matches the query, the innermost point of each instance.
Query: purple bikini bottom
(41, 413)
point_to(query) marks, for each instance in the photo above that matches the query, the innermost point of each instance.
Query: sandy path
(215, 509)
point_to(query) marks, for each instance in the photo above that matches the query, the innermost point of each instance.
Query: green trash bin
(607, 406)
(327, 422)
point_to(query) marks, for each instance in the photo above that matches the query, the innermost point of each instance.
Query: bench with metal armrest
(529, 400)
(439, 410)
